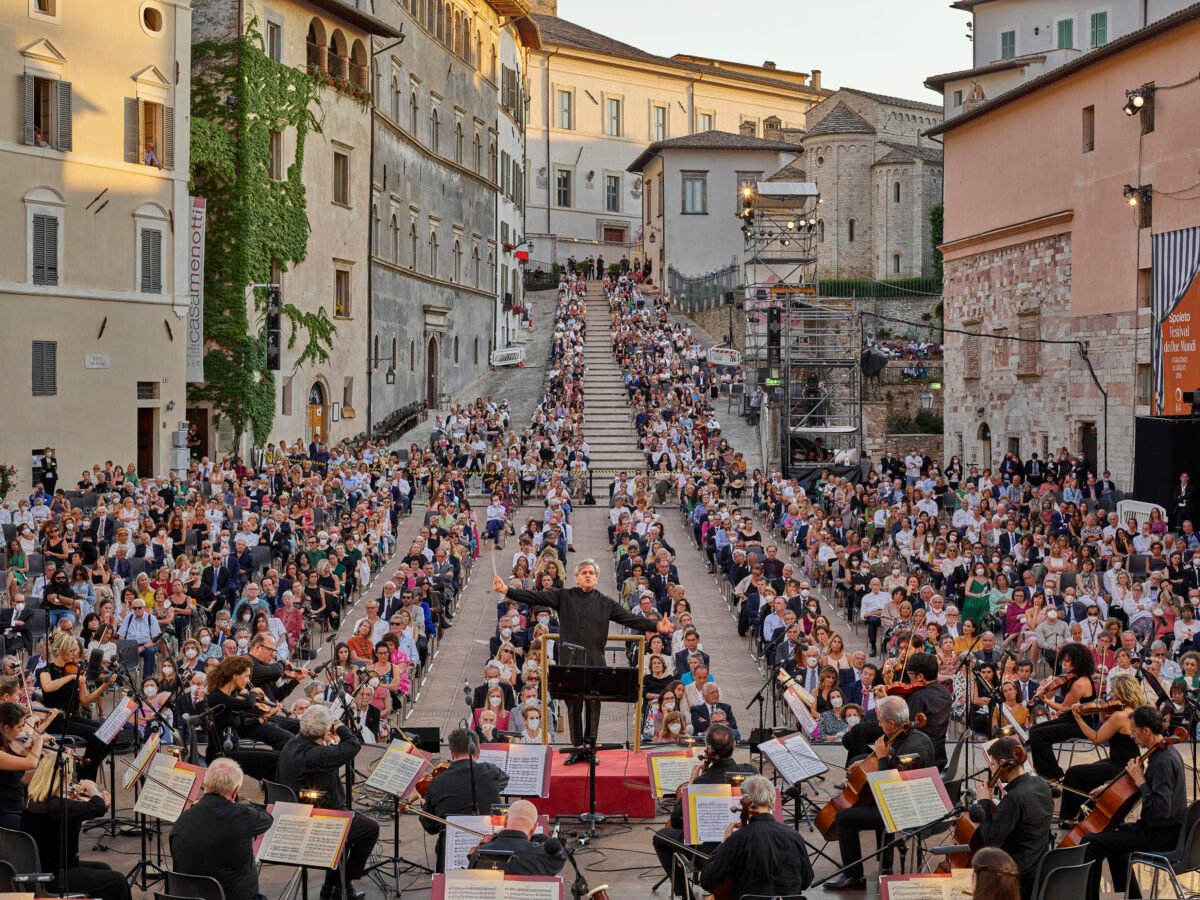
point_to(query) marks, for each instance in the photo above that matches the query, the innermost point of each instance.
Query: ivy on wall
(239, 97)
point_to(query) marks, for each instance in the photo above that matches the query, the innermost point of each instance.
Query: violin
(1098, 707)
(856, 792)
(422, 785)
(1117, 800)
(1051, 686)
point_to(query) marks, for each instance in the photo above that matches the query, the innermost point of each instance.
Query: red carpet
(569, 786)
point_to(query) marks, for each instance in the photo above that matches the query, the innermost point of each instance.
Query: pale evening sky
(885, 46)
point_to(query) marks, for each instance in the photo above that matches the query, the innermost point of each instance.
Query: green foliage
(937, 228)
(239, 97)
(926, 421)
(865, 287)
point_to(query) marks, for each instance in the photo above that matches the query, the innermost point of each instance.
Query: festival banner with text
(1176, 259)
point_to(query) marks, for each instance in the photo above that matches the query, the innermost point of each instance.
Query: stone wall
(891, 398)
(716, 323)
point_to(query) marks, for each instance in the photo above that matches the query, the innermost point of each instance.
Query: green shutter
(62, 115)
(168, 142)
(28, 86)
(1099, 29)
(1066, 34)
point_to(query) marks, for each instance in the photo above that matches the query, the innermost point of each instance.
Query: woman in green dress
(977, 600)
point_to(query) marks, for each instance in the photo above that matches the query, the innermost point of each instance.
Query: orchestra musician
(1161, 782)
(1020, 824)
(763, 856)
(715, 768)
(923, 693)
(313, 760)
(215, 837)
(893, 717)
(54, 798)
(267, 674)
(532, 854)
(64, 687)
(20, 751)
(1077, 668)
(236, 714)
(466, 787)
(1116, 730)
(583, 614)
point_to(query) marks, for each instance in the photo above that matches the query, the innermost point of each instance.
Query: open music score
(494, 885)
(111, 726)
(708, 809)
(668, 769)
(527, 765)
(140, 762)
(938, 886)
(793, 757)
(170, 787)
(799, 701)
(302, 835)
(399, 769)
(459, 842)
(909, 800)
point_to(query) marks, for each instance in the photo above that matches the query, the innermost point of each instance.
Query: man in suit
(662, 576)
(719, 744)
(1183, 500)
(216, 836)
(861, 691)
(691, 644)
(1035, 472)
(313, 760)
(278, 538)
(467, 787)
(787, 647)
(702, 715)
(531, 854)
(491, 676)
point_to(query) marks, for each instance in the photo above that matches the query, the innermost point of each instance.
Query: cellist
(1162, 785)
(1020, 823)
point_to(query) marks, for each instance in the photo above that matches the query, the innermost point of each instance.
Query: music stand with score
(593, 684)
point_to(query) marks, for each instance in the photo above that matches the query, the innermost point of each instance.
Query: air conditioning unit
(180, 459)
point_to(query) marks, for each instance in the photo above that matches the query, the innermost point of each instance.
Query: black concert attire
(216, 838)
(850, 822)
(66, 698)
(13, 797)
(450, 794)
(1164, 808)
(932, 700)
(529, 855)
(266, 678)
(1044, 735)
(717, 773)
(236, 717)
(1086, 777)
(763, 857)
(1020, 826)
(583, 618)
(44, 823)
(307, 765)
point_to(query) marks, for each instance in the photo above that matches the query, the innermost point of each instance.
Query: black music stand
(592, 684)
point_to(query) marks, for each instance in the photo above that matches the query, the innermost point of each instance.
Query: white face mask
(505, 632)
(1093, 619)
(494, 701)
(168, 670)
(1052, 614)
(851, 721)
(205, 641)
(374, 682)
(674, 728)
(492, 682)
(669, 706)
(812, 663)
(150, 690)
(243, 643)
(191, 653)
(543, 620)
(534, 724)
(836, 702)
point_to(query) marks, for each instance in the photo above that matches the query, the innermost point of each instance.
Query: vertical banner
(1176, 328)
(195, 316)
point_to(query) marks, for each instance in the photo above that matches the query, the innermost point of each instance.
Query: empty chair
(20, 853)
(1066, 881)
(1171, 864)
(194, 887)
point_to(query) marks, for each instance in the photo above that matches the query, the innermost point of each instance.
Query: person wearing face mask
(531, 718)
(491, 678)
(487, 730)
(672, 728)
(977, 595)
(1186, 628)
(495, 702)
(1052, 635)
(832, 721)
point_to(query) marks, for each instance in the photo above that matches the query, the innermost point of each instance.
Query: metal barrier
(508, 356)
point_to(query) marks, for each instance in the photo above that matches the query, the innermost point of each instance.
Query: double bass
(857, 792)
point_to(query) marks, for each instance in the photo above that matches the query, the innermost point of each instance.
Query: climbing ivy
(239, 96)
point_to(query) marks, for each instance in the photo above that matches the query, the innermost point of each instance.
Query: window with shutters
(341, 178)
(341, 294)
(971, 359)
(658, 123)
(612, 116)
(45, 248)
(1065, 33)
(1008, 44)
(48, 103)
(695, 193)
(564, 105)
(149, 133)
(274, 39)
(612, 193)
(1099, 23)
(45, 368)
(564, 182)
(1029, 350)
(150, 261)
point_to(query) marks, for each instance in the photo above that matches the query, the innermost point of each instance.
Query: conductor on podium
(583, 616)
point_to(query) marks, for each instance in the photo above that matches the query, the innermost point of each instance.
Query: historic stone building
(878, 178)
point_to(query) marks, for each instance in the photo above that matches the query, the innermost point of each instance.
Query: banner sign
(1176, 328)
(195, 316)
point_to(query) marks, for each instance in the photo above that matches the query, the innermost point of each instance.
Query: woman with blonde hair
(1116, 730)
(64, 686)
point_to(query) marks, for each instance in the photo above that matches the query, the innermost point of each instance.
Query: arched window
(433, 254)
(375, 356)
(440, 30)
(412, 238)
(359, 68)
(492, 161)
(395, 353)
(396, 99)
(412, 356)
(478, 60)
(850, 231)
(896, 263)
(375, 231)
(317, 53)
(478, 160)
(394, 241)
(475, 263)
(476, 351)
(458, 143)
(456, 349)
(457, 262)
(339, 55)
(491, 270)
(432, 9)
(435, 129)
(821, 231)
(493, 69)
(412, 113)
(896, 192)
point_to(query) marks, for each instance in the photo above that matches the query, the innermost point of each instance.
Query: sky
(885, 46)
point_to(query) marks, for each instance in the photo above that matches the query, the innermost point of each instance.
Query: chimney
(771, 128)
(747, 129)
(975, 97)
(814, 80)
(768, 64)
(544, 7)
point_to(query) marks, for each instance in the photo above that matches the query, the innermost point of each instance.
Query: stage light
(791, 224)
(311, 796)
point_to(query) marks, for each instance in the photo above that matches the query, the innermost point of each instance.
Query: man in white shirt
(873, 603)
(379, 626)
(912, 466)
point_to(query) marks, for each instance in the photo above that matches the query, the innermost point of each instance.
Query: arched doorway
(431, 373)
(317, 429)
(985, 440)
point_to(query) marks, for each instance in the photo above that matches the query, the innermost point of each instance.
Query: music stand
(592, 684)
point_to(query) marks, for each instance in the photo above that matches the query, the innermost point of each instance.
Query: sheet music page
(926, 887)
(478, 885)
(710, 809)
(285, 841)
(323, 844)
(496, 754)
(397, 770)
(164, 795)
(135, 769)
(531, 890)
(459, 843)
(280, 811)
(670, 772)
(117, 718)
(803, 717)
(911, 803)
(526, 769)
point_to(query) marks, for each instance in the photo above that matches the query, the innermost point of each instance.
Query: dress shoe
(572, 758)
(845, 883)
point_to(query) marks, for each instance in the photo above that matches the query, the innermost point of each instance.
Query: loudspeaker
(1164, 446)
(427, 738)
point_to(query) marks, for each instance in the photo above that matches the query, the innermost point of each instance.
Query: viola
(1098, 707)
(856, 792)
(1118, 799)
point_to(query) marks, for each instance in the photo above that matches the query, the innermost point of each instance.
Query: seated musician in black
(467, 787)
(893, 718)
(719, 746)
(1077, 667)
(1020, 823)
(267, 674)
(930, 698)
(238, 714)
(1162, 783)
(531, 853)
(763, 856)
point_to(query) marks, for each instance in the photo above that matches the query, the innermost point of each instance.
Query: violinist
(272, 678)
(1077, 687)
(64, 687)
(924, 694)
(1116, 730)
(1161, 782)
(893, 719)
(716, 766)
(236, 714)
(20, 750)
(759, 855)
(1020, 823)
(531, 854)
(466, 787)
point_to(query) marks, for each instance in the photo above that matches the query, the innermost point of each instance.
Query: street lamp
(927, 399)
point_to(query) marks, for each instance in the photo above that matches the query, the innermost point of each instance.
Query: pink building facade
(1041, 244)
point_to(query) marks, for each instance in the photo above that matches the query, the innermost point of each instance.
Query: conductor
(583, 616)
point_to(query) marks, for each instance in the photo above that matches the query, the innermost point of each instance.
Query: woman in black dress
(64, 686)
(1116, 731)
(20, 750)
(237, 714)
(1077, 667)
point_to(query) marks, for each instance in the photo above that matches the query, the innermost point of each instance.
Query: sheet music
(324, 842)
(531, 890)
(493, 885)
(459, 843)
(710, 810)
(397, 770)
(138, 766)
(116, 719)
(526, 767)
(793, 758)
(1011, 720)
(669, 772)
(497, 757)
(926, 887)
(300, 838)
(909, 803)
(803, 717)
(164, 795)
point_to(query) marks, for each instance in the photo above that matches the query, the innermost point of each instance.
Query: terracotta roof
(712, 140)
(841, 120)
(895, 101)
(937, 82)
(567, 34)
(925, 154)
(1154, 29)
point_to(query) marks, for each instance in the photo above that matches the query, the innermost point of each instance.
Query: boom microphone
(553, 847)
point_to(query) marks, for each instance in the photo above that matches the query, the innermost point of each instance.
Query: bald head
(522, 816)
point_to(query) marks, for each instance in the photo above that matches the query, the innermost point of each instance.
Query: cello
(1119, 797)
(966, 829)
(857, 792)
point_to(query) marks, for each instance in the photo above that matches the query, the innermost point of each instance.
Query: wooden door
(145, 442)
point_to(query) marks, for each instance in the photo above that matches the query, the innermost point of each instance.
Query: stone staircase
(607, 424)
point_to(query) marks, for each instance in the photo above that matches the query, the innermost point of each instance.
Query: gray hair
(585, 563)
(315, 722)
(224, 776)
(759, 791)
(892, 709)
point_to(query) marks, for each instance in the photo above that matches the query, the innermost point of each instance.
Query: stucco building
(1041, 243)
(93, 268)
(878, 177)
